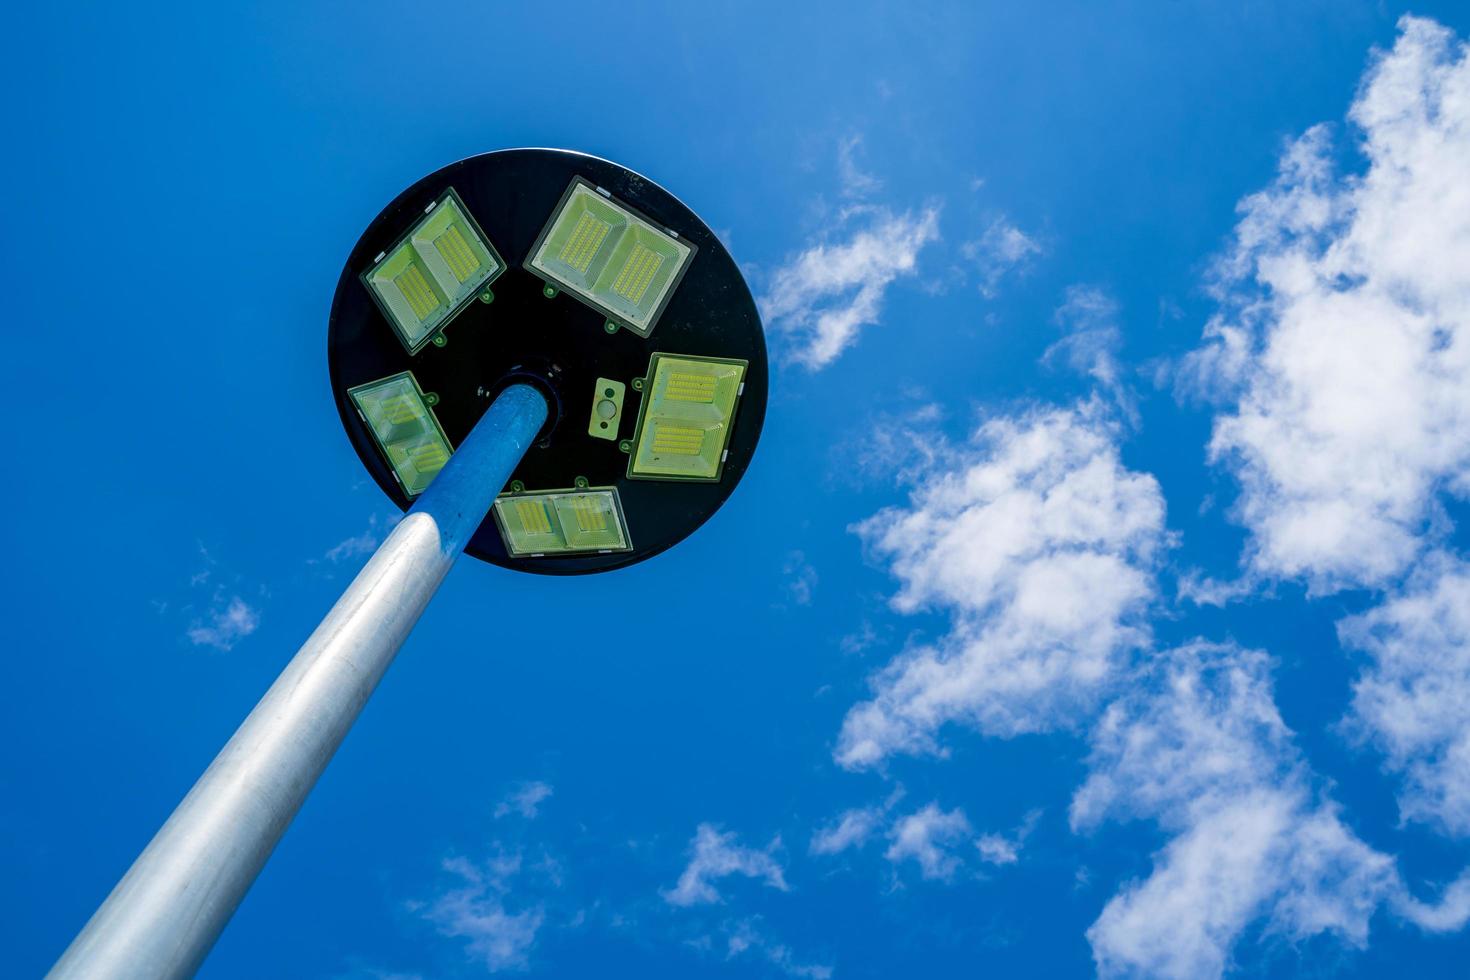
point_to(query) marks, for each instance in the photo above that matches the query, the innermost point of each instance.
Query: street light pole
(551, 271)
(165, 914)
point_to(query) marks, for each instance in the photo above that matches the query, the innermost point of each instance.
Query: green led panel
(397, 413)
(561, 522)
(433, 272)
(610, 257)
(684, 426)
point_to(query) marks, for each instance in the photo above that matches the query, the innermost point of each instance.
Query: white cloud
(801, 578)
(1198, 747)
(475, 911)
(1344, 344)
(929, 837)
(1449, 914)
(714, 856)
(1001, 849)
(998, 849)
(853, 828)
(1040, 545)
(1089, 318)
(1344, 348)
(228, 618)
(365, 543)
(1001, 250)
(226, 623)
(1204, 590)
(852, 180)
(1411, 702)
(745, 937)
(823, 296)
(898, 447)
(525, 800)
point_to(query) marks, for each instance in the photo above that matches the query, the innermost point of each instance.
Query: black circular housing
(557, 343)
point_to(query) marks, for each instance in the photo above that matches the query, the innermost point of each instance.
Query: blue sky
(1095, 603)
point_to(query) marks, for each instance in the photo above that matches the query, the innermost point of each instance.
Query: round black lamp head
(552, 222)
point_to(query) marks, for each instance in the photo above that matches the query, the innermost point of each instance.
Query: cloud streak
(823, 296)
(475, 911)
(929, 837)
(1001, 250)
(714, 856)
(525, 800)
(227, 622)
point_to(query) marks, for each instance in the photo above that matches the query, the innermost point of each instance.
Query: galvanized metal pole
(167, 911)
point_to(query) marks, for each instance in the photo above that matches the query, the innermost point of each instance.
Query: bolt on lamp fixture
(536, 441)
(402, 423)
(559, 522)
(432, 272)
(688, 408)
(610, 257)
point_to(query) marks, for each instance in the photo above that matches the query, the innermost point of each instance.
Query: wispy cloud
(855, 827)
(1003, 849)
(474, 909)
(801, 578)
(998, 849)
(715, 855)
(227, 622)
(852, 179)
(1089, 320)
(823, 296)
(226, 616)
(1000, 251)
(365, 543)
(745, 937)
(1448, 914)
(929, 836)
(525, 800)
(896, 447)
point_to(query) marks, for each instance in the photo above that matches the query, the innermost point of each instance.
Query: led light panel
(404, 426)
(433, 272)
(610, 257)
(561, 522)
(684, 425)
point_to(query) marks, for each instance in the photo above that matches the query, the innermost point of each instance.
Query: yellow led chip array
(677, 440)
(587, 238)
(690, 387)
(590, 516)
(532, 514)
(399, 409)
(456, 253)
(415, 289)
(429, 458)
(632, 281)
